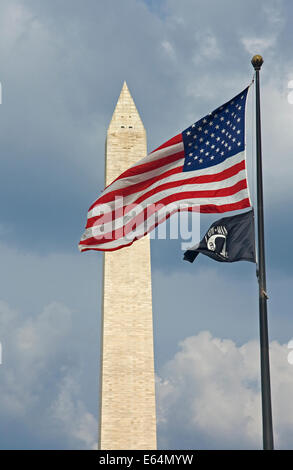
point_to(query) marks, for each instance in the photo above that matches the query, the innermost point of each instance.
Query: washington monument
(127, 395)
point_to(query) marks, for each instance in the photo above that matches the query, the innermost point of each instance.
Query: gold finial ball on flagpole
(257, 61)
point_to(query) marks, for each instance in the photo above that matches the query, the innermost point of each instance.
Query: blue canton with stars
(217, 136)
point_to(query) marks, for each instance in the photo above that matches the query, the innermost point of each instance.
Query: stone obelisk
(127, 402)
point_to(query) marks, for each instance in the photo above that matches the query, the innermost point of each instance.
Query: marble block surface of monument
(127, 404)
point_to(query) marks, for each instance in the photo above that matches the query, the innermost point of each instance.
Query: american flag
(201, 169)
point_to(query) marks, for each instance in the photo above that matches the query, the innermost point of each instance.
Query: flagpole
(268, 440)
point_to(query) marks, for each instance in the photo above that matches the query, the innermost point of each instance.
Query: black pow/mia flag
(229, 239)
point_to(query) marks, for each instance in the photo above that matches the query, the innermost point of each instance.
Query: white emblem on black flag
(229, 239)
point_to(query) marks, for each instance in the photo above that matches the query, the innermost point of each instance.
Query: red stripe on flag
(209, 208)
(152, 209)
(227, 173)
(138, 169)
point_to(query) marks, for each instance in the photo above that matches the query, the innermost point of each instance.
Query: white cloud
(169, 49)
(40, 337)
(71, 414)
(255, 44)
(274, 13)
(15, 20)
(277, 120)
(211, 390)
(265, 41)
(207, 47)
(40, 379)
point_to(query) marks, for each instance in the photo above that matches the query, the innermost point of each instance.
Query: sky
(63, 64)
